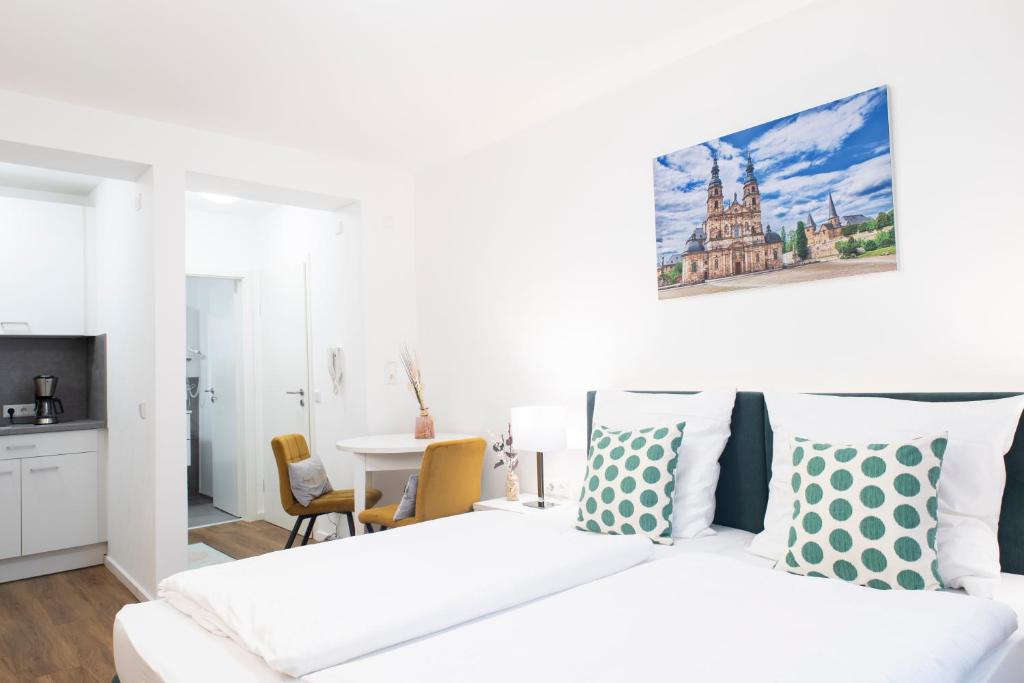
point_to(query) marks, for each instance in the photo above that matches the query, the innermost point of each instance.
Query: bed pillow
(308, 480)
(866, 513)
(708, 415)
(629, 481)
(973, 471)
(407, 506)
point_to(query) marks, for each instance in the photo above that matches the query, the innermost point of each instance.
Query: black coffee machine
(48, 407)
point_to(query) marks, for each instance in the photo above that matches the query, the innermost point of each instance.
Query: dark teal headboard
(746, 468)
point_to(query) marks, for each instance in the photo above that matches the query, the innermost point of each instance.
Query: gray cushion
(308, 480)
(407, 506)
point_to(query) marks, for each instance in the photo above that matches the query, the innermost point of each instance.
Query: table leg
(359, 476)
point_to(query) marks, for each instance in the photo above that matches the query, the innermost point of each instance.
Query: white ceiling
(393, 81)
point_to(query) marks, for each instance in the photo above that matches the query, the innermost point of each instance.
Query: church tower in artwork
(714, 189)
(751, 193)
(833, 215)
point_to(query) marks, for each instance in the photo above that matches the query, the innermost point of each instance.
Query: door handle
(20, 447)
(300, 392)
(51, 468)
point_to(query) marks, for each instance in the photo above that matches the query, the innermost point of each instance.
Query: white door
(223, 360)
(285, 369)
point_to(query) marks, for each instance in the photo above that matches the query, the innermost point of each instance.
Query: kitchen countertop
(8, 429)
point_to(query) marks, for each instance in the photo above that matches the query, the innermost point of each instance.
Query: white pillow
(708, 416)
(973, 471)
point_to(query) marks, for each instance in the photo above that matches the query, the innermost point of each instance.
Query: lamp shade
(538, 428)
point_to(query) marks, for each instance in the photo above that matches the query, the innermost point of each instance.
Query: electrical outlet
(20, 410)
(556, 489)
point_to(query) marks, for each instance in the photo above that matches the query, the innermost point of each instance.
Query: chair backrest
(288, 448)
(449, 478)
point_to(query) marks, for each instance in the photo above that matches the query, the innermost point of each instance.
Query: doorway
(213, 409)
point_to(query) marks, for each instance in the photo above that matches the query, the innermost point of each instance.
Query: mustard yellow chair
(293, 448)
(449, 484)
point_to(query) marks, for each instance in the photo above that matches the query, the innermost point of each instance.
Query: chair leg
(309, 529)
(295, 530)
(351, 524)
(368, 528)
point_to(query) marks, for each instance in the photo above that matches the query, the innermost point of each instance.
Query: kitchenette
(52, 431)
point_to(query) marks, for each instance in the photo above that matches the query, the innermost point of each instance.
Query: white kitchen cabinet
(42, 266)
(59, 502)
(10, 508)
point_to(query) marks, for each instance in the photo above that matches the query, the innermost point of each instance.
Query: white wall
(535, 278)
(148, 541)
(121, 306)
(42, 265)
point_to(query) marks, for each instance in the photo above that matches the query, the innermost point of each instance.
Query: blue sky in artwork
(841, 147)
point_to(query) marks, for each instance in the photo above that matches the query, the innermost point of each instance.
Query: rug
(202, 555)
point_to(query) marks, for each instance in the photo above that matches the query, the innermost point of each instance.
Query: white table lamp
(540, 429)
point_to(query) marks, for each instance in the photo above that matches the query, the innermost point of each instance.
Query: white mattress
(155, 643)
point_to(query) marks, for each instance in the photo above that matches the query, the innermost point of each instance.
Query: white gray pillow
(407, 506)
(308, 480)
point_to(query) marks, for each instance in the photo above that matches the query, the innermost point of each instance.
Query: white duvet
(309, 608)
(700, 617)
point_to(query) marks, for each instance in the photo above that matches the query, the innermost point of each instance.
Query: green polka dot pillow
(866, 513)
(629, 482)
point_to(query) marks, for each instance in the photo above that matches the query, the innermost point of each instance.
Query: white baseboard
(17, 568)
(127, 579)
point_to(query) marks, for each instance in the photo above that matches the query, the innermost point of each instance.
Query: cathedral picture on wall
(805, 197)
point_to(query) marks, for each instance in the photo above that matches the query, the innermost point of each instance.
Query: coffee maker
(48, 407)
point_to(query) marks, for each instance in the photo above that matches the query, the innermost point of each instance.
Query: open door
(285, 362)
(223, 361)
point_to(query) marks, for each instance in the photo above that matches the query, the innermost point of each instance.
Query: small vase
(511, 486)
(424, 425)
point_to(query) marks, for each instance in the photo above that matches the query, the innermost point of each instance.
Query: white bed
(154, 642)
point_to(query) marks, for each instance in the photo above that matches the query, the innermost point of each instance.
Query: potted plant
(508, 457)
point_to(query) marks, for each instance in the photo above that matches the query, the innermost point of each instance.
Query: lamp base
(542, 504)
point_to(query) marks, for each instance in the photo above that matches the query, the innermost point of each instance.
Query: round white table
(385, 453)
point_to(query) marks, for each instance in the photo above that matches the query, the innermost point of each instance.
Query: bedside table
(517, 505)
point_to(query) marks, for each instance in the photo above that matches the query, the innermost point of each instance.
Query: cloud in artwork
(818, 131)
(841, 147)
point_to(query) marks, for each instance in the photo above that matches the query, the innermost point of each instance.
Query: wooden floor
(58, 628)
(243, 539)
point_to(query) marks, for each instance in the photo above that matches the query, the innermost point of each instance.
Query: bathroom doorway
(214, 417)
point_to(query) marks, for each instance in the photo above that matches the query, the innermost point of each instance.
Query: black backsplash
(78, 362)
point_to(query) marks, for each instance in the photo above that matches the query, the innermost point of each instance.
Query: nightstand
(517, 505)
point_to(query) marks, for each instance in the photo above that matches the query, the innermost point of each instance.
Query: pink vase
(424, 426)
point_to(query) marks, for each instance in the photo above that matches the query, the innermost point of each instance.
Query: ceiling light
(223, 199)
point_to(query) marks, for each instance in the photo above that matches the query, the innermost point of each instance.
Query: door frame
(248, 409)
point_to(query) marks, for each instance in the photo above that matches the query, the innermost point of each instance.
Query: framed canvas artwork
(805, 197)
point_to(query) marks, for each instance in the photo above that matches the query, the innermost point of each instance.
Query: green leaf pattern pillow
(867, 513)
(629, 482)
